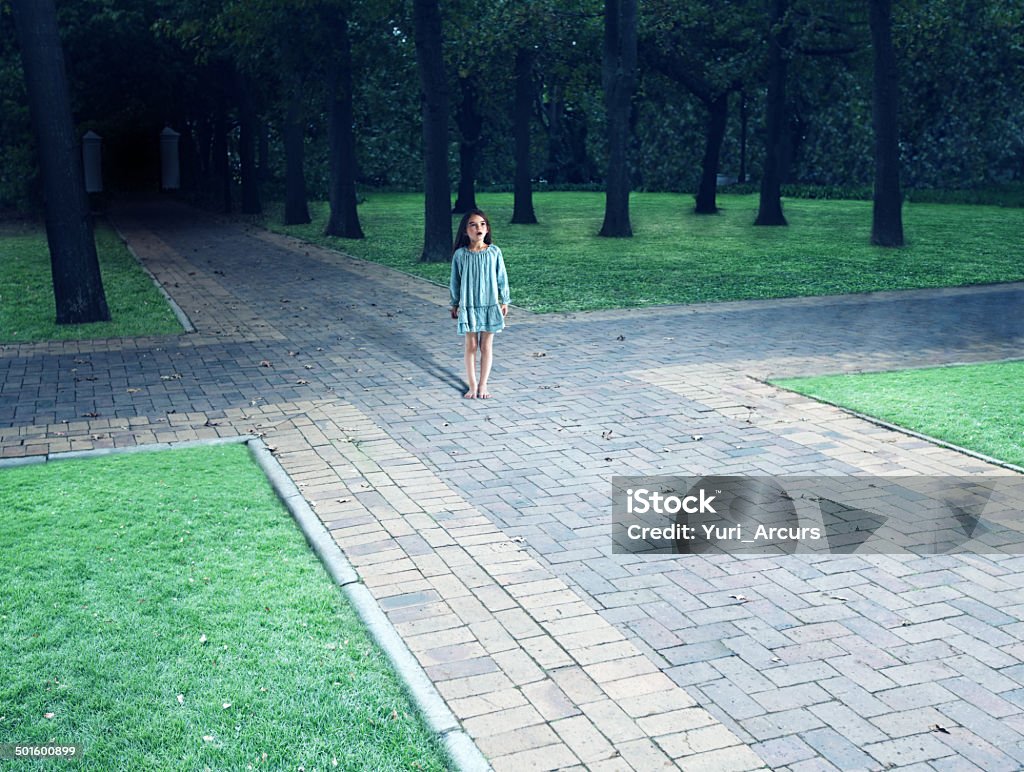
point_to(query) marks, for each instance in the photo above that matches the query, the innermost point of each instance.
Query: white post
(170, 176)
(92, 162)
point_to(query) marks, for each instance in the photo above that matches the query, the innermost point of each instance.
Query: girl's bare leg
(486, 339)
(470, 357)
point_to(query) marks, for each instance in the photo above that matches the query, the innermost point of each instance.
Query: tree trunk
(296, 205)
(744, 119)
(344, 219)
(522, 211)
(77, 284)
(437, 229)
(263, 145)
(619, 80)
(467, 116)
(770, 208)
(887, 215)
(221, 162)
(718, 112)
(248, 126)
(552, 110)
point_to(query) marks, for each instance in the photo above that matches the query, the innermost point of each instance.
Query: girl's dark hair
(462, 237)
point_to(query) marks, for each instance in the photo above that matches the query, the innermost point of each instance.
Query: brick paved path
(482, 527)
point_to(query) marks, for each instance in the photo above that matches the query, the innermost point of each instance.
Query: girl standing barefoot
(479, 296)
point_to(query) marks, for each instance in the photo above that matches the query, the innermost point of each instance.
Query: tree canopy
(227, 74)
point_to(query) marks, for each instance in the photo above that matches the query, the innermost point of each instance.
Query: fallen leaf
(171, 377)
(134, 391)
(606, 435)
(621, 337)
(939, 728)
(740, 598)
(265, 363)
(540, 353)
(696, 437)
(302, 382)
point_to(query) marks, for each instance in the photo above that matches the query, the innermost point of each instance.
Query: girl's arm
(455, 285)
(502, 276)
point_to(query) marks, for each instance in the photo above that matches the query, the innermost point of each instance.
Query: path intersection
(483, 528)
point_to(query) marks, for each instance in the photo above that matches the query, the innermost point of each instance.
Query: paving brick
(577, 685)
(737, 758)
(733, 700)
(555, 756)
(908, 750)
(781, 723)
(917, 696)
(783, 751)
(500, 721)
(584, 740)
(642, 754)
(548, 698)
(611, 721)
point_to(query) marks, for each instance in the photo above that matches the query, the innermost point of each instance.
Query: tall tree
(709, 50)
(522, 209)
(887, 215)
(619, 81)
(471, 124)
(248, 128)
(770, 205)
(344, 220)
(437, 232)
(296, 204)
(77, 284)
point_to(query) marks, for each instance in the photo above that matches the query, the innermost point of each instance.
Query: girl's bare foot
(471, 394)
(482, 393)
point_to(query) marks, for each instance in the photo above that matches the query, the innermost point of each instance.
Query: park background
(536, 97)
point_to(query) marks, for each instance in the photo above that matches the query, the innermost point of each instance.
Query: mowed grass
(977, 407)
(132, 579)
(27, 311)
(676, 256)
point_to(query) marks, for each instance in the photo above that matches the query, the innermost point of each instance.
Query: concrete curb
(182, 317)
(463, 751)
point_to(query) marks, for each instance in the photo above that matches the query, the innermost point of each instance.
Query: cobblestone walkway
(482, 528)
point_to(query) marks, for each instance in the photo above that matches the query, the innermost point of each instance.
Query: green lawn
(974, 406)
(676, 256)
(163, 611)
(26, 291)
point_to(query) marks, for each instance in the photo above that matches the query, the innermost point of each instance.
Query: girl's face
(476, 229)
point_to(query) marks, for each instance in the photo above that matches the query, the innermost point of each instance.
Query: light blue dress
(479, 287)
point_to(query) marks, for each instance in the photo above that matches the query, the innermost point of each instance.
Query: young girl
(479, 295)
